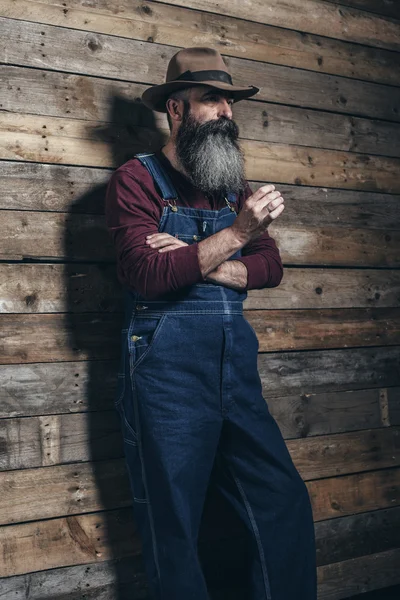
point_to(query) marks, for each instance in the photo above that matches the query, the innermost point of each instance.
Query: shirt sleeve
(261, 258)
(130, 216)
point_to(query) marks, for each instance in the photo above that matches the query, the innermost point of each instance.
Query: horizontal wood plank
(353, 494)
(324, 328)
(48, 288)
(59, 188)
(344, 453)
(61, 49)
(121, 579)
(112, 580)
(349, 537)
(80, 538)
(59, 439)
(71, 540)
(87, 487)
(179, 26)
(33, 442)
(390, 8)
(79, 436)
(54, 388)
(68, 489)
(330, 370)
(305, 415)
(93, 336)
(72, 141)
(312, 16)
(48, 93)
(340, 580)
(75, 237)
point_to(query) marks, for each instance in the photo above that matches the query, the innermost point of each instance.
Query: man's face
(206, 142)
(208, 104)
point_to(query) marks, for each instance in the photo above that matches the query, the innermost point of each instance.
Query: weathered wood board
(179, 26)
(324, 128)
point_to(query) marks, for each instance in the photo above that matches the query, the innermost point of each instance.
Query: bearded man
(191, 238)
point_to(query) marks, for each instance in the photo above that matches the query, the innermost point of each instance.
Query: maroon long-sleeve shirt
(133, 210)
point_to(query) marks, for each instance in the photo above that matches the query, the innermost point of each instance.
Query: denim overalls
(189, 392)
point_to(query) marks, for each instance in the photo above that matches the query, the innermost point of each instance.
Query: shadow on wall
(95, 315)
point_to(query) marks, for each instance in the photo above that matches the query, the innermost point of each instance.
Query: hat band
(205, 76)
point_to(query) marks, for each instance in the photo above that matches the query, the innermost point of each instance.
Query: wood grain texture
(179, 26)
(61, 439)
(305, 415)
(68, 489)
(71, 540)
(87, 53)
(325, 129)
(53, 288)
(389, 8)
(355, 576)
(85, 238)
(73, 141)
(353, 494)
(50, 93)
(80, 436)
(94, 336)
(79, 538)
(354, 536)
(109, 580)
(59, 188)
(80, 488)
(312, 16)
(330, 370)
(54, 388)
(350, 452)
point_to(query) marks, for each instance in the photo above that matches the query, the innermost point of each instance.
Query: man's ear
(175, 109)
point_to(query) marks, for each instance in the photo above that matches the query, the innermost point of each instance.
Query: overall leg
(172, 424)
(260, 480)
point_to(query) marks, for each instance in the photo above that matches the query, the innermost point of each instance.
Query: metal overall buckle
(172, 204)
(229, 204)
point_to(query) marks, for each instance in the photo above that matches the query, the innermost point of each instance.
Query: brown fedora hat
(194, 67)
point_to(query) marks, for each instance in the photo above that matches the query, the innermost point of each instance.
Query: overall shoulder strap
(231, 197)
(160, 176)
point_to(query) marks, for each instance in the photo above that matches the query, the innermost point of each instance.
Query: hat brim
(156, 96)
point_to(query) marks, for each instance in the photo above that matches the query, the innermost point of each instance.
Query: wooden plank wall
(325, 128)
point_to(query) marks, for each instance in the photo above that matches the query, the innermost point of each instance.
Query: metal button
(135, 338)
(141, 307)
(195, 237)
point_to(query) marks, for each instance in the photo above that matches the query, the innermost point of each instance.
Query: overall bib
(189, 391)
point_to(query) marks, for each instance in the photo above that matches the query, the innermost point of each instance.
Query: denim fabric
(189, 392)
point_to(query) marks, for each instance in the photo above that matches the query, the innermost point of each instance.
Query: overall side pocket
(142, 336)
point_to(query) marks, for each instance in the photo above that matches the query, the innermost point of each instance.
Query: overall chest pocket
(143, 335)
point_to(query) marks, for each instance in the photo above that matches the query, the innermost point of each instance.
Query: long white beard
(211, 155)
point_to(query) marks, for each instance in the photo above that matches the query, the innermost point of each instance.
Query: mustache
(222, 126)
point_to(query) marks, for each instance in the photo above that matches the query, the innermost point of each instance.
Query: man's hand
(164, 242)
(258, 211)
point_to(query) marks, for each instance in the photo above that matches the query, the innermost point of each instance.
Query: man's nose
(225, 109)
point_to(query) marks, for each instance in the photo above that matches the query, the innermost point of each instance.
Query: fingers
(274, 201)
(269, 202)
(164, 242)
(262, 196)
(263, 190)
(269, 215)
